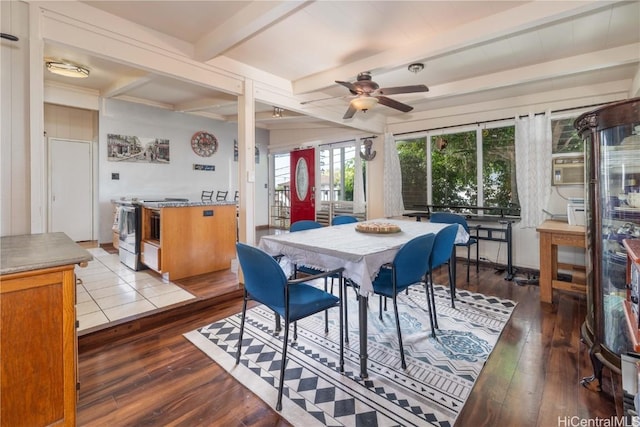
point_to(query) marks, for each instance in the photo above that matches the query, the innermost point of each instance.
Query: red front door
(303, 186)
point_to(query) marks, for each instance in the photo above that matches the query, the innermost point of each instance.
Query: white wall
(178, 178)
(14, 121)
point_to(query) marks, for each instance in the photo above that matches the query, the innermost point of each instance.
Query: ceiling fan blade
(350, 112)
(352, 88)
(394, 104)
(403, 89)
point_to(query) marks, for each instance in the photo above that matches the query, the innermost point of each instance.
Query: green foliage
(565, 138)
(499, 167)
(349, 177)
(413, 164)
(454, 169)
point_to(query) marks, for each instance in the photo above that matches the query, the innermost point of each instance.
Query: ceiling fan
(368, 93)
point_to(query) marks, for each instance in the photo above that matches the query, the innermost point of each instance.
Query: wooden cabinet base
(194, 240)
(38, 348)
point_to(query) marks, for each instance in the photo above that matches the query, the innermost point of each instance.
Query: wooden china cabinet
(612, 168)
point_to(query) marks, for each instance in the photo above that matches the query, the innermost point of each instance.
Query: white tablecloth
(361, 254)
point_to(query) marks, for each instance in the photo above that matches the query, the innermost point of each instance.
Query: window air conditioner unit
(567, 170)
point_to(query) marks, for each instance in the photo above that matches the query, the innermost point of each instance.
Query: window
(413, 164)
(454, 169)
(337, 179)
(499, 167)
(281, 202)
(471, 167)
(337, 167)
(565, 137)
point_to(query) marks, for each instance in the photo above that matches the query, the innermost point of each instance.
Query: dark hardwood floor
(149, 374)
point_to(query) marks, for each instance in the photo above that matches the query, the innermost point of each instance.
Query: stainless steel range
(129, 228)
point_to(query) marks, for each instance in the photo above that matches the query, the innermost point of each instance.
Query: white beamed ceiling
(473, 52)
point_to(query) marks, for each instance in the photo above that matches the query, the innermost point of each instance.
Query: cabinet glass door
(619, 191)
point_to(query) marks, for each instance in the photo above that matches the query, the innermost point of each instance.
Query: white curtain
(358, 184)
(533, 167)
(393, 203)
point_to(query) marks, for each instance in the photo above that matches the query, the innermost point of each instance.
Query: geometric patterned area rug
(432, 390)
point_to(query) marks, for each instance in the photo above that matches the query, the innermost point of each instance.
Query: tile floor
(109, 291)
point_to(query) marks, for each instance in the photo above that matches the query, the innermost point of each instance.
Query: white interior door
(71, 188)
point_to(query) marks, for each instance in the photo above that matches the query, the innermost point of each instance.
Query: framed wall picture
(235, 152)
(125, 148)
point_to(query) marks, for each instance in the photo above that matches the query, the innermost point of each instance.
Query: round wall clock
(204, 144)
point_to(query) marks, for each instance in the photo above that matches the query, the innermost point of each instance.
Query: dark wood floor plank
(157, 377)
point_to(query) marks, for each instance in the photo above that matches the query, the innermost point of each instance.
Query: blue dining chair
(292, 300)
(452, 218)
(302, 225)
(441, 255)
(409, 267)
(338, 220)
(343, 219)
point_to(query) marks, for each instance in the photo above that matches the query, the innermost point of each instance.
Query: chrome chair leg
(283, 365)
(468, 260)
(395, 309)
(433, 302)
(430, 307)
(326, 312)
(342, 301)
(244, 314)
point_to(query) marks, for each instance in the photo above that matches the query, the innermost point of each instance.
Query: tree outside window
(413, 165)
(337, 169)
(454, 169)
(453, 162)
(565, 138)
(499, 167)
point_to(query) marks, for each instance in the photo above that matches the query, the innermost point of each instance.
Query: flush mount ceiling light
(415, 67)
(67, 69)
(364, 103)
(277, 112)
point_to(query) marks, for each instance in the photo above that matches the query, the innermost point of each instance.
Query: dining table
(360, 254)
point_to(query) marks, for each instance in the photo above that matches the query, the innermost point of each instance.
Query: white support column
(375, 180)
(39, 166)
(246, 163)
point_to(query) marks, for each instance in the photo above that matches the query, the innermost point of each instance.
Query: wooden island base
(187, 241)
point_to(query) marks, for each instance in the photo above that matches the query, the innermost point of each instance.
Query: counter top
(171, 203)
(175, 204)
(38, 251)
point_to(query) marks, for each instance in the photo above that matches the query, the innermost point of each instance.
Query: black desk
(482, 232)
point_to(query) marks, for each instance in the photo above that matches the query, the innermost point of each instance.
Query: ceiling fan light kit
(364, 103)
(368, 93)
(67, 69)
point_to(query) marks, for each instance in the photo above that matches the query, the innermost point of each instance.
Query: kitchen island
(183, 239)
(38, 334)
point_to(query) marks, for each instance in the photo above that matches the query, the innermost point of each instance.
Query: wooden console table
(552, 235)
